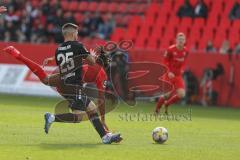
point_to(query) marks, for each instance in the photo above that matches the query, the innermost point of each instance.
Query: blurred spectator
(69, 18)
(237, 49)
(45, 7)
(201, 9)
(11, 32)
(96, 21)
(186, 10)
(86, 25)
(57, 19)
(11, 16)
(235, 11)
(105, 29)
(20, 36)
(225, 48)
(210, 48)
(2, 29)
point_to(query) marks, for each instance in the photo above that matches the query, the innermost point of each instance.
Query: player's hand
(2, 9)
(171, 75)
(93, 53)
(47, 61)
(99, 49)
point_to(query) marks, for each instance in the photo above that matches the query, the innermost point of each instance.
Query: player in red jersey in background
(174, 59)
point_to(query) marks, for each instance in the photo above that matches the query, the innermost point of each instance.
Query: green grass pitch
(213, 133)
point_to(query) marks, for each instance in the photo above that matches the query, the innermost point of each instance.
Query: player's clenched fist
(2, 9)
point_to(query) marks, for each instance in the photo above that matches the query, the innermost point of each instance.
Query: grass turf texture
(213, 133)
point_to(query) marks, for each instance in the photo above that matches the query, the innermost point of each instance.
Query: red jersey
(175, 59)
(94, 74)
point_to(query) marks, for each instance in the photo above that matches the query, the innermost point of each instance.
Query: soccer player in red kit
(174, 59)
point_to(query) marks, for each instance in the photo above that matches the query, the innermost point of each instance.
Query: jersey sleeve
(82, 51)
(167, 57)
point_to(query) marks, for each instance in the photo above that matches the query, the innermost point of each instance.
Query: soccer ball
(160, 135)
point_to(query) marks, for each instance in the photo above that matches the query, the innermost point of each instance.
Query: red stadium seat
(199, 22)
(166, 7)
(93, 6)
(140, 42)
(73, 6)
(125, 20)
(225, 23)
(83, 6)
(153, 43)
(234, 36)
(149, 21)
(112, 7)
(212, 22)
(103, 7)
(186, 22)
(132, 8)
(164, 44)
(53, 2)
(65, 5)
(219, 38)
(153, 10)
(236, 24)
(169, 33)
(79, 18)
(142, 8)
(157, 32)
(144, 30)
(177, 5)
(193, 2)
(118, 34)
(208, 34)
(174, 21)
(161, 20)
(135, 21)
(122, 8)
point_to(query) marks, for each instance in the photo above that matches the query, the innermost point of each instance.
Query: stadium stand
(150, 24)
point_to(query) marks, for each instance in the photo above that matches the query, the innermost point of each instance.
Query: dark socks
(68, 118)
(94, 118)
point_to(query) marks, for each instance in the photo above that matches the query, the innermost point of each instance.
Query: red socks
(159, 103)
(173, 99)
(34, 67)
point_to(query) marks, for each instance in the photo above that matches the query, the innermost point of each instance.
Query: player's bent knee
(91, 108)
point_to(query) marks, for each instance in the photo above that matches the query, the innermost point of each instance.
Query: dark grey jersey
(69, 56)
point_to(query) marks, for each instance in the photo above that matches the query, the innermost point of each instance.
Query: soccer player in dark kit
(69, 56)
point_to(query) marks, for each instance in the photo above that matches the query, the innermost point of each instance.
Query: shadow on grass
(57, 146)
(62, 146)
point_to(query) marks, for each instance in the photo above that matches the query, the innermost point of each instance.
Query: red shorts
(177, 82)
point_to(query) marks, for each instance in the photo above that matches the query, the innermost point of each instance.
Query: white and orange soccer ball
(160, 135)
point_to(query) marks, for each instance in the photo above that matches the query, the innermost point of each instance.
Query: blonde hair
(181, 34)
(69, 28)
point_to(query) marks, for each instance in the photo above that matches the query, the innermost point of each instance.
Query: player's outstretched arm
(3, 9)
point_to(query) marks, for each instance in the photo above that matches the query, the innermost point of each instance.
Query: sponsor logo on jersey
(179, 59)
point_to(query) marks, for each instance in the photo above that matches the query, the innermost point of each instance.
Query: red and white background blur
(15, 78)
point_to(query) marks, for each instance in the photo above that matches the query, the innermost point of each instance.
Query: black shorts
(77, 99)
